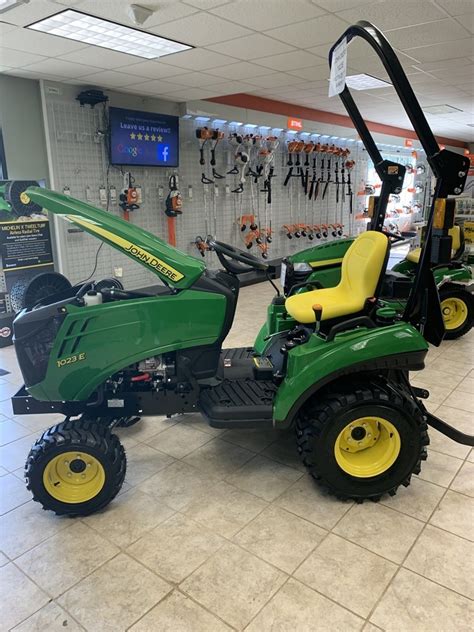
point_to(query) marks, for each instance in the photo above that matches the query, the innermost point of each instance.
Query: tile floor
(222, 530)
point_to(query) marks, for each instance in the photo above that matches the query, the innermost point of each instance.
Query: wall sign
(337, 78)
(25, 245)
(295, 123)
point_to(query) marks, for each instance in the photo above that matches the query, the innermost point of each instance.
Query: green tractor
(333, 363)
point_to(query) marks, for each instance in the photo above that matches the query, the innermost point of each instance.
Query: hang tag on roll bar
(337, 79)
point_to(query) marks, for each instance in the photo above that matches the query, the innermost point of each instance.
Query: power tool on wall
(130, 198)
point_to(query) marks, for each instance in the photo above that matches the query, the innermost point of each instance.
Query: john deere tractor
(333, 363)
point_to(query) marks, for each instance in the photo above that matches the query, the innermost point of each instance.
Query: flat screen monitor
(143, 139)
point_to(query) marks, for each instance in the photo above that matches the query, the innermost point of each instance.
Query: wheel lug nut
(83, 475)
(69, 474)
(66, 462)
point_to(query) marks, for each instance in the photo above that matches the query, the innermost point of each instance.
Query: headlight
(302, 267)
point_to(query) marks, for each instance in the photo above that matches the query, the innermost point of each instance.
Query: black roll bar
(449, 168)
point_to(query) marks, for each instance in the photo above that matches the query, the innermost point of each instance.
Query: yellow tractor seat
(362, 267)
(455, 232)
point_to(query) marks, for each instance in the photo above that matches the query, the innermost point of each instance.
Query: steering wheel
(235, 260)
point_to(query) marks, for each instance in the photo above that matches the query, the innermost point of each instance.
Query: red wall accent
(252, 102)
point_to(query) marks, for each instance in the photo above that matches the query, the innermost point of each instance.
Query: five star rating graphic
(153, 138)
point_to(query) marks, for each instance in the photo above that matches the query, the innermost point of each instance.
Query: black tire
(325, 416)
(461, 297)
(89, 438)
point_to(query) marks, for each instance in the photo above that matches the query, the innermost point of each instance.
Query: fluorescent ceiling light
(365, 82)
(219, 122)
(82, 27)
(251, 125)
(5, 5)
(440, 109)
(203, 119)
(235, 123)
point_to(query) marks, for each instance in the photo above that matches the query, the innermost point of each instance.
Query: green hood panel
(95, 342)
(168, 263)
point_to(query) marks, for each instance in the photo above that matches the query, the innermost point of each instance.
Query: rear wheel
(457, 306)
(362, 442)
(76, 467)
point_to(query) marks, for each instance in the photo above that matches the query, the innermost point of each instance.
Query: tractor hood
(172, 266)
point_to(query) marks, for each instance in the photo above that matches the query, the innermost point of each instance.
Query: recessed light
(365, 82)
(440, 109)
(5, 5)
(88, 29)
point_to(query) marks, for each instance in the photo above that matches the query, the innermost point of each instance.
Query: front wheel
(457, 307)
(362, 441)
(76, 467)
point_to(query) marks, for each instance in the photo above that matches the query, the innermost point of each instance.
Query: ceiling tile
(230, 87)
(425, 34)
(117, 11)
(156, 85)
(29, 74)
(445, 63)
(239, 70)
(252, 47)
(153, 70)
(195, 80)
(110, 79)
(339, 5)
(61, 68)
(392, 15)
(27, 13)
(449, 50)
(467, 20)
(4, 27)
(199, 59)
(200, 29)
(16, 59)
(267, 14)
(33, 42)
(304, 34)
(315, 73)
(275, 79)
(457, 7)
(206, 4)
(192, 94)
(100, 58)
(295, 60)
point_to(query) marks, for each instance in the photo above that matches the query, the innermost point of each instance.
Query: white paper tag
(337, 80)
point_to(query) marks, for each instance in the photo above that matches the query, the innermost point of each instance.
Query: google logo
(130, 150)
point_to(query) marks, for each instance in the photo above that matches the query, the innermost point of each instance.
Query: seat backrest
(364, 264)
(455, 233)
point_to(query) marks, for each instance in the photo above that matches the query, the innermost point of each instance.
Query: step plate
(239, 403)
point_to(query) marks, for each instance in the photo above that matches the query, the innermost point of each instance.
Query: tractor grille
(34, 340)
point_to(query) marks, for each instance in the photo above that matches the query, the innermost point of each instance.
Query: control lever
(318, 313)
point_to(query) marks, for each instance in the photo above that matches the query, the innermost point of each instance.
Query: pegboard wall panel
(80, 164)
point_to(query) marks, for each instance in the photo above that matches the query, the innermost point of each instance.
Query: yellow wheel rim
(367, 447)
(454, 312)
(73, 477)
(25, 198)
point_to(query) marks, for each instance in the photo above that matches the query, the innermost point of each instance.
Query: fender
(316, 363)
(322, 254)
(447, 274)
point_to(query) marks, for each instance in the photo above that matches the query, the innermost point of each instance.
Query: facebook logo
(163, 152)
